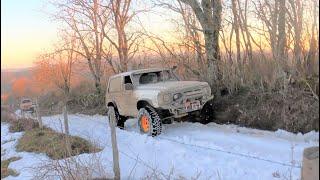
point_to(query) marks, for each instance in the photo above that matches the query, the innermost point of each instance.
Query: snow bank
(26, 166)
(185, 149)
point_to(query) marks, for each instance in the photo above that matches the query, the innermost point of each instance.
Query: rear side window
(115, 84)
(127, 79)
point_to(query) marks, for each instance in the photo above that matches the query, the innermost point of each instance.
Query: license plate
(192, 106)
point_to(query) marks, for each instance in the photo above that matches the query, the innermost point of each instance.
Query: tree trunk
(297, 32)
(311, 60)
(212, 56)
(98, 85)
(282, 31)
(273, 32)
(115, 152)
(236, 29)
(209, 16)
(38, 114)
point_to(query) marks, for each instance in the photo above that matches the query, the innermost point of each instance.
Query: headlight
(177, 96)
(207, 90)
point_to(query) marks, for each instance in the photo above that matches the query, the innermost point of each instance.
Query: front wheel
(149, 121)
(207, 113)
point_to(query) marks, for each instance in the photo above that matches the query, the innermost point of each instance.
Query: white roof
(138, 71)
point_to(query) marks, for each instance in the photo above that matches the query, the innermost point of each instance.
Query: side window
(127, 79)
(115, 84)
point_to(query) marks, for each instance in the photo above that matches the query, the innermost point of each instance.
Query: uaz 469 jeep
(27, 105)
(154, 96)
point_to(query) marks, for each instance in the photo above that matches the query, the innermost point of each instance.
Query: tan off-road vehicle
(27, 105)
(154, 96)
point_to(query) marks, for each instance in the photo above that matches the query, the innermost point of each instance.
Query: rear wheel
(119, 119)
(149, 121)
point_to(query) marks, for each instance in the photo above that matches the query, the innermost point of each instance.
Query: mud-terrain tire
(207, 113)
(149, 121)
(120, 119)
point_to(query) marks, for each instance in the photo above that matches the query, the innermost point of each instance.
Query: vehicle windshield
(154, 77)
(26, 101)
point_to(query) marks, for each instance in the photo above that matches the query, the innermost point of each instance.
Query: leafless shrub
(154, 173)
(73, 168)
(78, 166)
(7, 115)
(17, 124)
(23, 124)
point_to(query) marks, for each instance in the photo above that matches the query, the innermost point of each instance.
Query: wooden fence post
(65, 119)
(38, 114)
(112, 124)
(310, 164)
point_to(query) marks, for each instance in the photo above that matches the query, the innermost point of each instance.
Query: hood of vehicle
(171, 85)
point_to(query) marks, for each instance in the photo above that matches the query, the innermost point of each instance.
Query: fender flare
(113, 103)
(148, 101)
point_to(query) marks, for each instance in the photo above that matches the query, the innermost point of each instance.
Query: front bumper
(178, 109)
(31, 109)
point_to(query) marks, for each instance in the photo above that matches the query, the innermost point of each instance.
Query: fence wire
(217, 150)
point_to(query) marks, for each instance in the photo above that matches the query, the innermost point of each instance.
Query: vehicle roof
(138, 71)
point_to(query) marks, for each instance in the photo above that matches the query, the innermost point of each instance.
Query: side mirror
(128, 87)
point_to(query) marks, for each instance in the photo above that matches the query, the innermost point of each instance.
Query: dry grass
(53, 143)
(62, 149)
(22, 124)
(73, 168)
(17, 124)
(266, 95)
(5, 171)
(6, 115)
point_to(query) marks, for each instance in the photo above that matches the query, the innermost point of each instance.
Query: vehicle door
(115, 91)
(129, 99)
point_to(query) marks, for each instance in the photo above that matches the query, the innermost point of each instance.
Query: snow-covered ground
(187, 149)
(24, 166)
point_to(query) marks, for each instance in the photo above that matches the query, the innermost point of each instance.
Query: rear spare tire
(149, 121)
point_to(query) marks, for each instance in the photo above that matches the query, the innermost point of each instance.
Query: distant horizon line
(16, 69)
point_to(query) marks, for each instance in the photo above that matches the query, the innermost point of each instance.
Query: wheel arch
(113, 104)
(143, 103)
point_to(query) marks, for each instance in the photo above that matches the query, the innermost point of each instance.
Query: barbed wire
(234, 153)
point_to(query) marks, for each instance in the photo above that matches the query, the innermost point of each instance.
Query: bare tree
(268, 12)
(282, 31)
(236, 28)
(208, 14)
(243, 22)
(191, 52)
(86, 20)
(296, 18)
(57, 66)
(311, 59)
(126, 46)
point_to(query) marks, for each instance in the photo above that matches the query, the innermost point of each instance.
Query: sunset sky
(27, 31)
